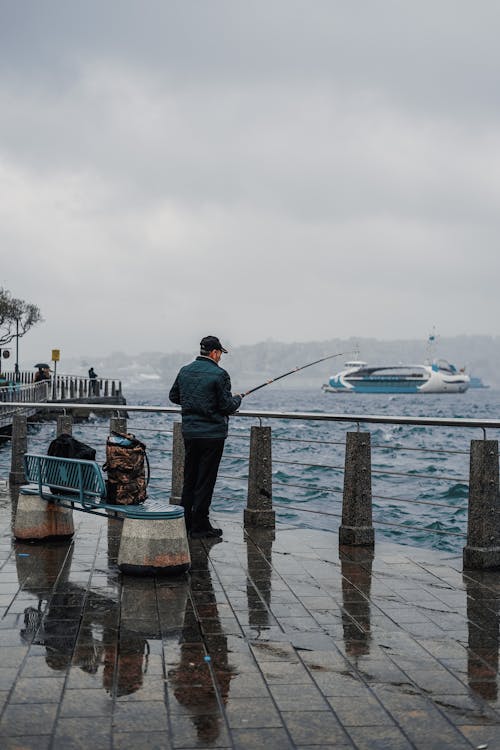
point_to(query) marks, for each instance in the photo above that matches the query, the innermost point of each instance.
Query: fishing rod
(296, 369)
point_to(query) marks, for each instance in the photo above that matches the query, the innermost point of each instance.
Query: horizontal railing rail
(483, 424)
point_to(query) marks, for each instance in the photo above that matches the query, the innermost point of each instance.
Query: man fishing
(203, 390)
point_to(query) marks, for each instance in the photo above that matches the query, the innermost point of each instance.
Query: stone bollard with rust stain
(19, 447)
(483, 526)
(155, 546)
(64, 425)
(177, 465)
(357, 527)
(118, 424)
(38, 519)
(259, 510)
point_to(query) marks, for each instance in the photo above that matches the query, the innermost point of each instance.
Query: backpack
(125, 465)
(66, 446)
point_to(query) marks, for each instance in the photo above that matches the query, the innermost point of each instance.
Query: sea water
(419, 474)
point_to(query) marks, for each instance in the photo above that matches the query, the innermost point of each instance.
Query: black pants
(201, 464)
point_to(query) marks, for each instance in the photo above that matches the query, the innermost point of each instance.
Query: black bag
(66, 446)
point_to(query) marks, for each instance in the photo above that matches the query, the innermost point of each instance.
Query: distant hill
(251, 365)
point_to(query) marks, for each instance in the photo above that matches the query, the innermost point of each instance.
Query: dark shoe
(205, 533)
(216, 532)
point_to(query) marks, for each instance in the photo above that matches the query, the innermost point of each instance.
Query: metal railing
(65, 387)
(308, 471)
(15, 399)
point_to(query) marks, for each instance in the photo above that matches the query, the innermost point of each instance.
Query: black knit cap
(208, 343)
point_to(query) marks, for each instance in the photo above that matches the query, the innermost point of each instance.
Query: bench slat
(77, 482)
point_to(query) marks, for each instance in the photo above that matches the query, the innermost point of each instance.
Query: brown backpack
(126, 463)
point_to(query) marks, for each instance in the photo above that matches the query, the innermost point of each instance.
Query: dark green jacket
(203, 389)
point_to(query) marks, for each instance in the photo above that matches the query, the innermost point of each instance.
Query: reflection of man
(193, 679)
(203, 389)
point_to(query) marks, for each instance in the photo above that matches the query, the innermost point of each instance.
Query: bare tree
(16, 316)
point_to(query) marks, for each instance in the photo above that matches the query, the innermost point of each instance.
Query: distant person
(93, 381)
(203, 390)
(43, 373)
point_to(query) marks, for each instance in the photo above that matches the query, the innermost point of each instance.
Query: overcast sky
(267, 169)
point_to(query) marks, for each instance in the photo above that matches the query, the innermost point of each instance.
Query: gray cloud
(283, 170)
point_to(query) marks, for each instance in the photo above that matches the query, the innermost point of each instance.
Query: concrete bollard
(357, 528)
(259, 510)
(177, 464)
(36, 519)
(483, 525)
(64, 425)
(155, 547)
(19, 447)
(118, 424)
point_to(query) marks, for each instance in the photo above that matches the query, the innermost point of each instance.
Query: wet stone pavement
(273, 641)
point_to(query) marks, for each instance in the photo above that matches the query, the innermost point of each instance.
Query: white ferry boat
(437, 377)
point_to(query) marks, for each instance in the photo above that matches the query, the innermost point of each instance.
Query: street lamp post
(16, 367)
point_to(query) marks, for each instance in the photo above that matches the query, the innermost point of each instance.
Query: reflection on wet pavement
(273, 639)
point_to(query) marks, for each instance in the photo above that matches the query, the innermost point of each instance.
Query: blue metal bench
(153, 537)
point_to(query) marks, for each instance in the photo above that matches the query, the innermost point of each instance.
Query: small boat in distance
(476, 382)
(437, 377)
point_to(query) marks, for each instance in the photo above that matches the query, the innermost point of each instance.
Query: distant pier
(20, 388)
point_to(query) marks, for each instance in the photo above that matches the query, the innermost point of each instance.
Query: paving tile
(488, 736)
(92, 702)
(79, 678)
(253, 739)
(141, 740)
(342, 682)
(248, 686)
(287, 673)
(298, 697)
(26, 742)
(140, 717)
(39, 690)
(28, 719)
(379, 738)
(307, 727)
(199, 730)
(360, 713)
(267, 652)
(7, 676)
(466, 709)
(426, 728)
(13, 656)
(151, 689)
(437, 680)
(82, 734)
(246, 713)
